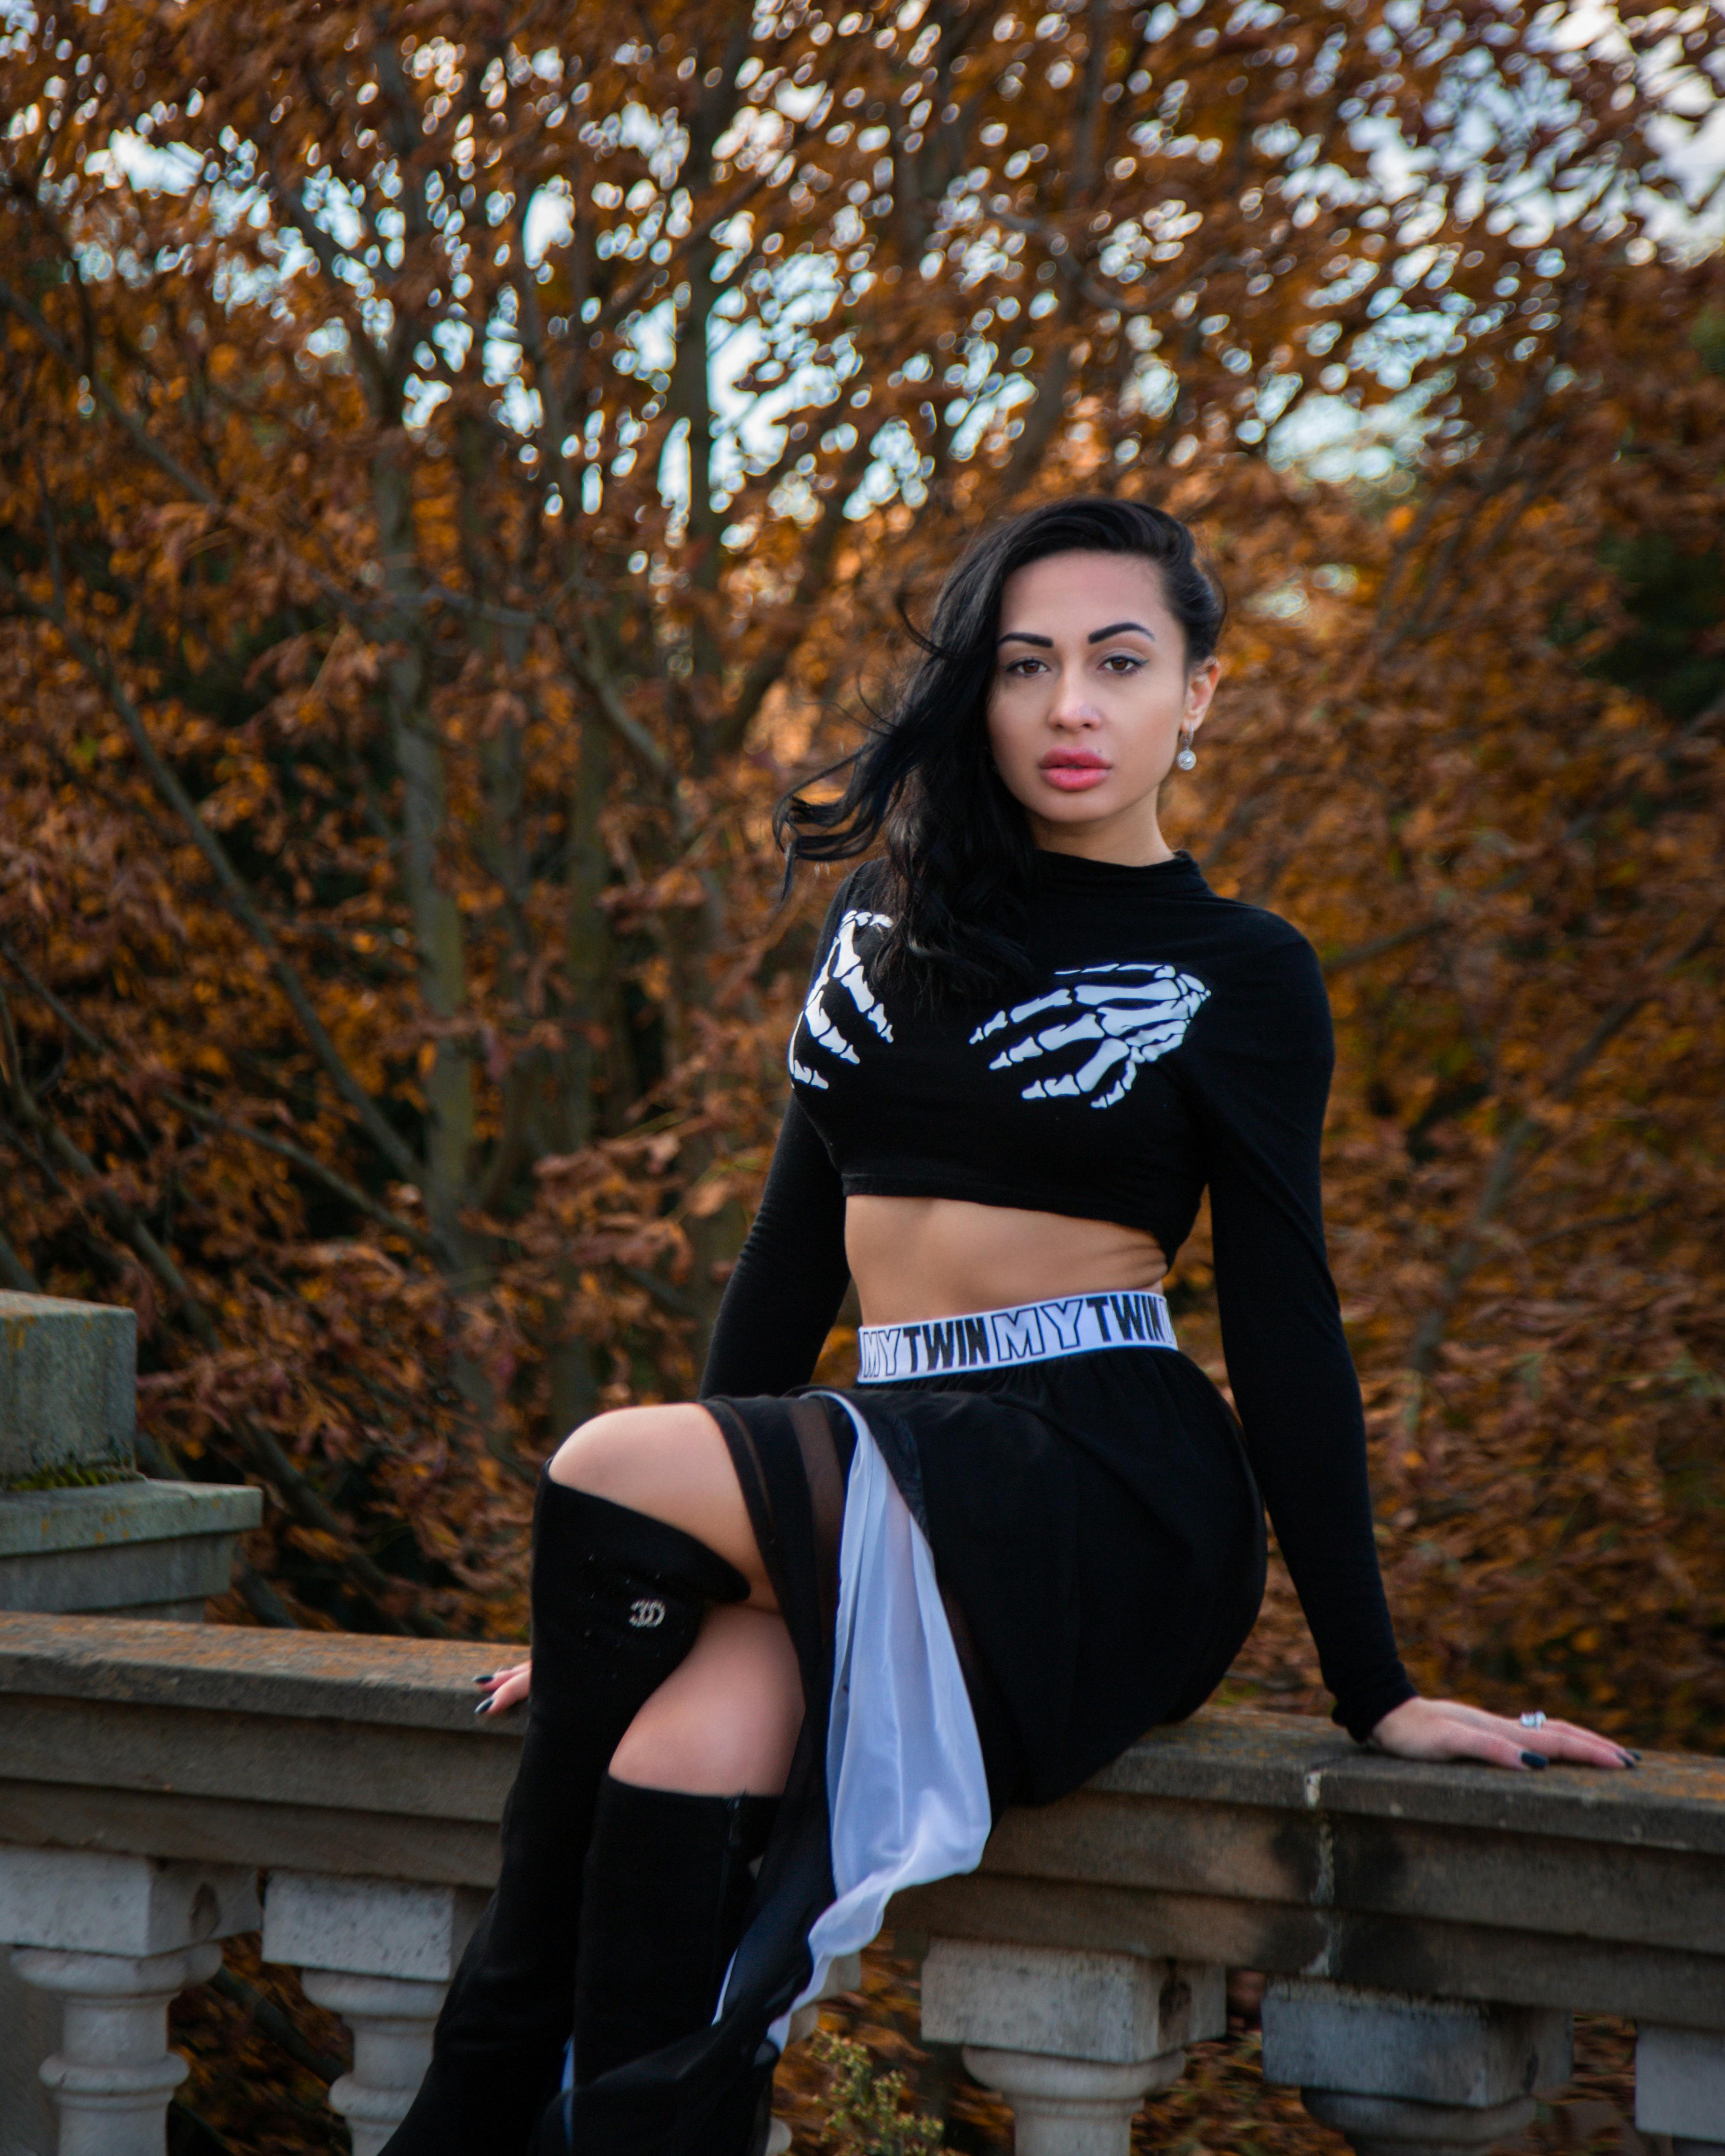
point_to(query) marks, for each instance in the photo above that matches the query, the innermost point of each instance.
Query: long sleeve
(1262, 1074)
(782, 1296)
(784, 1292)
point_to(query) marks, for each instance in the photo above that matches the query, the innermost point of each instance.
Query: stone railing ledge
(1427, 1930)
(1285, 1761)
(326, 1676)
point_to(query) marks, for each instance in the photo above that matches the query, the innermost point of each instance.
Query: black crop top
(1168, 1040)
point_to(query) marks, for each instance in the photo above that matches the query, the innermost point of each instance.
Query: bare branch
(1600, 1221)
(141, 436)
(628, 729)
(1086, 160)
(371, 364)
(1379, 947)
(638, 287)
(768, 666)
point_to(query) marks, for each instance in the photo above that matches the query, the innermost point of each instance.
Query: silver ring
(1536, 1720)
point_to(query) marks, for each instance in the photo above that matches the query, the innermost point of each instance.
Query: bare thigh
(725, 1721)
(673, 1464)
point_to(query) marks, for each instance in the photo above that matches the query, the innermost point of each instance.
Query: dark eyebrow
(1025, 636)
(1114, 628)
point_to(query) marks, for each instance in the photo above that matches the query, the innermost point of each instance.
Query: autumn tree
(457, 466)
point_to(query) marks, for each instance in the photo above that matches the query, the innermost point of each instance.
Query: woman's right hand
(1450, 1729)
(504, 1688)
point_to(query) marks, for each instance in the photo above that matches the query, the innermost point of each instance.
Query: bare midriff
(939, 1257)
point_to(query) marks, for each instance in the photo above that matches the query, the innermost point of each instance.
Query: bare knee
(673, 1464)
(605, 1455)
(725, 1722)
(638, 1456)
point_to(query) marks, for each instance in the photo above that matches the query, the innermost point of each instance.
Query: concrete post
(116, 1937)
(1404, 2076)
(1680, 2088)
(68, 1386)
(380, 1953)
(1074, 2041)
(80, 1529)
(114, 1543)
(391, 2020)
(113, 2075)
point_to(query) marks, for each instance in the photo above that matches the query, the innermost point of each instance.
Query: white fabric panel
(906, 1787)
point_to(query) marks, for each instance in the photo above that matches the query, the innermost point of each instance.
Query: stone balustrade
(1427, 1930)
(80, 1529)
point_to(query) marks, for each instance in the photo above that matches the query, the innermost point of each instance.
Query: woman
(794, 1649)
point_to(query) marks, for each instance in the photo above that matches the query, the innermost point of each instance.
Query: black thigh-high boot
(668, 1881)
(616, 1600)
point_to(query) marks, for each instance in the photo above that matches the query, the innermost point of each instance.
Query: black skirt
(1056, 1557)
(1098, 1536)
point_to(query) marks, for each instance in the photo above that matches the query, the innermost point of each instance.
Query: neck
(1131, 839)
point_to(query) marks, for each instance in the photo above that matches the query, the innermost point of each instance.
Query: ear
(1200, 687)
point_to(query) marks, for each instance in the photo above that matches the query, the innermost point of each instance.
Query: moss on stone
(72, 1474)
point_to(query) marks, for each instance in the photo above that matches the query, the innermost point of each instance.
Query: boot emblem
(646, 1613)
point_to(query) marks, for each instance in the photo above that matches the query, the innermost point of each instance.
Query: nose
(1074, 707)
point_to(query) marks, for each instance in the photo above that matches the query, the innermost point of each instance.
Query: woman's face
(1090, 695)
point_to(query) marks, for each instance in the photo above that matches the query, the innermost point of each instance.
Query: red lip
(1074, 770)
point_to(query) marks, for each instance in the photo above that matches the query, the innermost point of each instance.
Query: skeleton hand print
(1135, 1013)
(843, 968)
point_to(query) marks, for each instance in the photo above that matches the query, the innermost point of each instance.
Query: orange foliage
(455, 474)
(450, 480)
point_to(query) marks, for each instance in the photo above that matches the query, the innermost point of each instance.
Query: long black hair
(958, 853)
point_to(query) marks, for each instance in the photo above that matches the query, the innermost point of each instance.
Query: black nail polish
(1535, 1759)
(484, 1707)
(1630, 1758)
(486, 1678)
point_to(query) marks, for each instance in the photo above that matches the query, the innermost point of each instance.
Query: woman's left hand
(504, 1688)
(1446, 1729)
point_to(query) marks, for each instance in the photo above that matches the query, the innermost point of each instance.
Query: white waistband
(1032, 1332)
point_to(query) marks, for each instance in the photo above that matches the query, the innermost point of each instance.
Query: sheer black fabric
(1099, 1541)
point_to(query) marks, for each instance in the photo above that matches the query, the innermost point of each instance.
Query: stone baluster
(380, 1953)
(1680, 2088)
(116, 1937)
(1398, 2075)
(1074, 2041)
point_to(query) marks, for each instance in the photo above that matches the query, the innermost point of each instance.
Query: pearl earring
(1187, 757)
